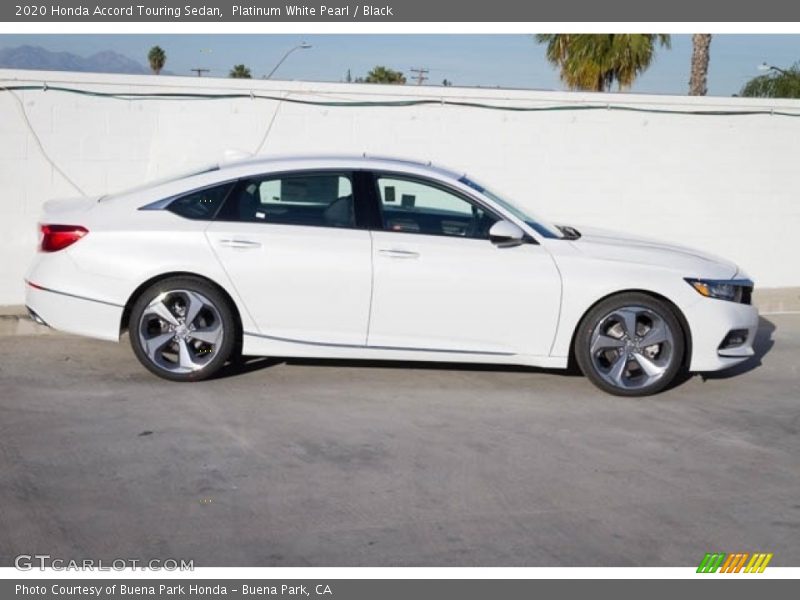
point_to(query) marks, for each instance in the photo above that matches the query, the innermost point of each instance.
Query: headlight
(734, 290)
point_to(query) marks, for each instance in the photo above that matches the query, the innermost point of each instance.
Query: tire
(183, 329)
(626, 365)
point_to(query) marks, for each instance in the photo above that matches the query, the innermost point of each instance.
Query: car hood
(611, 245)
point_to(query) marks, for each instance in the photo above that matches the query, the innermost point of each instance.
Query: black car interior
(438, 222)
(310, 201)
(317, 200)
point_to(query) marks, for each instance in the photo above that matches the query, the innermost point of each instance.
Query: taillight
(58, 237)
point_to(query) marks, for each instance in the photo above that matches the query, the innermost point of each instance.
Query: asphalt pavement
(320, 463)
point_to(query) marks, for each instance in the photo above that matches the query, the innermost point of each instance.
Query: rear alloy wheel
(630, 345)
(182, 329)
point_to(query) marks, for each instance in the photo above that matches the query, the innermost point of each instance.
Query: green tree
(381, 74)
(240, 72)
(698, 82)
(157, 59)
(597, 61)
(778, 83)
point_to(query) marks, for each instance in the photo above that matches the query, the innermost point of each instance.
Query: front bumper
(710, 321)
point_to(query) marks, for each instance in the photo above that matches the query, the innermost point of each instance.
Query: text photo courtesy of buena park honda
(399, 300)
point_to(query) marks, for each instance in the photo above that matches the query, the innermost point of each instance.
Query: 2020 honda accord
(370, 258)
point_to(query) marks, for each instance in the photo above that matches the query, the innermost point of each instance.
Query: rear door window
(312, 199)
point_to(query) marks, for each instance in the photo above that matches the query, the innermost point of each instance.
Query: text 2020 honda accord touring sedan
(370, 258)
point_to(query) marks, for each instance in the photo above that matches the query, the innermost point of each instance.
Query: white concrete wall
(727, 184)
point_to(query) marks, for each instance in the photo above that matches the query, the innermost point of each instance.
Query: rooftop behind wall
(724, 183)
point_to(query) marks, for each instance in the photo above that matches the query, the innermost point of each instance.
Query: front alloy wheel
(182, 329)
(630, 345)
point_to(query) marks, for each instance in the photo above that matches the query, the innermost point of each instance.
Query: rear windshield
(162, 181)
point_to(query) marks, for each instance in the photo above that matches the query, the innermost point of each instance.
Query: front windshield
(541, 226)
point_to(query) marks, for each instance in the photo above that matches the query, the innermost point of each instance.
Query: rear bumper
(710, 321)
(74, 314)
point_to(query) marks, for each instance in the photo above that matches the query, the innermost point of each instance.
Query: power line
(421, 74)
(37, 139)
(128, 96)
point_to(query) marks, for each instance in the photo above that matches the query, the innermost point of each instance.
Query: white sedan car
(368, 258)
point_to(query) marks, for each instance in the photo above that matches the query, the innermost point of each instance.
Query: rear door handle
(394, 253)
(240, 244)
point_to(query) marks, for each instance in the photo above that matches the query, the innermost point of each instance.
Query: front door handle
(240, 244)
(394, 253)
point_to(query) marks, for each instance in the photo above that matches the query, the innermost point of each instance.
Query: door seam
(221, 264)
(371, 284)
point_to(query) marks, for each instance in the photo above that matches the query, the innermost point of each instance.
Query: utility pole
(200, 71)
(420, 75)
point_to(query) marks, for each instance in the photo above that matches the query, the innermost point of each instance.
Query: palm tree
(157, 59)
(597, 61)
(240, 72)
(381, 74)
(779, 83)
(701, 42)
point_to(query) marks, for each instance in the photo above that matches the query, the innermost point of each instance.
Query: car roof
(362, 161)
(253, 165)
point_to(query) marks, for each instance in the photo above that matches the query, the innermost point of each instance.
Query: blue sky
(513, 61)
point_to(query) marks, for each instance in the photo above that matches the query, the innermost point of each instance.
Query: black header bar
(470, 11)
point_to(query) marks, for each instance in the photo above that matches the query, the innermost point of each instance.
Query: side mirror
(505, 234)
